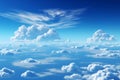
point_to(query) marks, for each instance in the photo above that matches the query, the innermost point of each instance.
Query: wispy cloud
(54, 18)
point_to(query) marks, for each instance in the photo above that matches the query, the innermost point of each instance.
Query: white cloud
(29, 74)
(72, 67)
(49, 35)
(55, 12)
(94, 67)
(44, 74)
(60, 51)
(8, 51)
(96, 71)
(106, 52)
(35, 32)
(54, 18)
(32, 74)
(51, 60)
(73, 77)
(102, 72)
(27, 63)
(5, 72)
(100, 36)
(105, 74)
(54, 70)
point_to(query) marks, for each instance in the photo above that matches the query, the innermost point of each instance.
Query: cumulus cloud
(72, 67)
(97, 71)
(5, 72)
(100, 36)
(55, 18)
(94, 67)
(27, 63)
(29, 74)
(109, 72)
(35, 32)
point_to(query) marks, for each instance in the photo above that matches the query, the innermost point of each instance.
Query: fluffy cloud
(27, 63)
(104, 75)
(109, 72)
(35, 32)
(72, 67)
(96, 71)
(94, 67)
(100, 36)
(5, 72)
(29, 74)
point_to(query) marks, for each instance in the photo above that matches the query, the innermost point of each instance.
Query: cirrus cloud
(55, 18)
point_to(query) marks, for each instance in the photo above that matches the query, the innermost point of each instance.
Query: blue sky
(98, 14)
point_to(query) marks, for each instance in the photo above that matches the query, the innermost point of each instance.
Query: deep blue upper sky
(99, 14)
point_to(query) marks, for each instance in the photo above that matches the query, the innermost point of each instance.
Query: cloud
(100, 36)
(35, 32)
(32, 74)
(94, 67)
(109, 72)
(8, 51)
(72, 67)
(30, 63)
(51, 60)
(73, 77)
(60, 51)
(5, 72)
(27, 63)
(29, 74)
(55, 18)
(105, 52)
(108, 54)
(96, 71)
(54, 70)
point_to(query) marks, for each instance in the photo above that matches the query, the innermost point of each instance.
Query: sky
(92, 15)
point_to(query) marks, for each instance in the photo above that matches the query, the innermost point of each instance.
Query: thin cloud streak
(53, 18)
